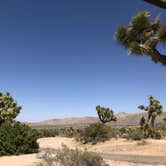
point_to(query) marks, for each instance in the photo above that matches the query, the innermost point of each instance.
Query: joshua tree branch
(159, 3)
(154, 53)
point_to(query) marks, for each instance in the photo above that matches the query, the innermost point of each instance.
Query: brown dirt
(120, 147)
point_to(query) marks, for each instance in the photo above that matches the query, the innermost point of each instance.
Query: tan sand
(120, 146)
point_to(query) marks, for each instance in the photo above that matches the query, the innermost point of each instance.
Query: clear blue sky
(58, 58)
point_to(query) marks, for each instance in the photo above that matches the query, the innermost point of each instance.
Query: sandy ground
(120, 146)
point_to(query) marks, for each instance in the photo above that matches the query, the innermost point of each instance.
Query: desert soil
(119, 152)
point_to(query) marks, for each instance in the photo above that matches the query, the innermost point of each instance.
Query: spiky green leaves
(143, 122)
(142, 107)
(121, 34)
(162, 33)
(133, 35)
(8, 107)
(105, 114)
(141, 36)
(140, 22)
(154, 109)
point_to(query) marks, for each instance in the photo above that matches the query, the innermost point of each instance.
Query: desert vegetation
(105, 114)
(70, 157)
(18, 138)
(15, 137)
(100, 131)
(142, 36)
(154, 109)
(94, 133)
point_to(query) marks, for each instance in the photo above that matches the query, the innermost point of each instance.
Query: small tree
(142, 37)
(154, 109)
(105, 114)
(8, 108)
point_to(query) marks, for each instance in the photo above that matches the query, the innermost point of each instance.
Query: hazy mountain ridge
(123, 119)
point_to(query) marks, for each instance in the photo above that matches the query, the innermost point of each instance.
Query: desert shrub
(96, 132)
(64, 132)
(153, 133)
(139, 134)
(70, 157)
(17, 138)
(135, 134)
(122, 132)
(161, 127)
(48, 133)
(68, 132)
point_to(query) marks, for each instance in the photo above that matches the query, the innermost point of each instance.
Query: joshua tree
(144, 126)
(105, 114)
(159, 3)
(142, 36)
(8, 107)
(154, 109)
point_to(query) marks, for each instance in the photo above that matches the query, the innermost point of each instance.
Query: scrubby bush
(161, 127)
(135, 134)
(48, 133)
(70, 157)
(153, 133)
(17, 138)
(96, 132)
(122, 132)
(68, 132)
(138, 134)
(63, 132)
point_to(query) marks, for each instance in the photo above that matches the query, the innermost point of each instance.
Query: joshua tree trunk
(157, 57)
(152, 121)
(149, 116)
(154, 53)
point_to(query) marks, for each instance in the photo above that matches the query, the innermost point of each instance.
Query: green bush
(139, 134)
(153, 133)
(48, 133)
(135, 134)
(96, 132)
(68, 132)
(17, 138)
(122, 132)
(69, 157)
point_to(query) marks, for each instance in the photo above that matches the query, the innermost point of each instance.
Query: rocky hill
(123, 119)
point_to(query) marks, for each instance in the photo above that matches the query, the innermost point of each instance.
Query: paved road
(136, 158)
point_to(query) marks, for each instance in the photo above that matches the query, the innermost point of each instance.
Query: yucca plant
(154, 109)
(143, 36)
(105, 114)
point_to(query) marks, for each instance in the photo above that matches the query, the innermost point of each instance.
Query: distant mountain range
(123, 119)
